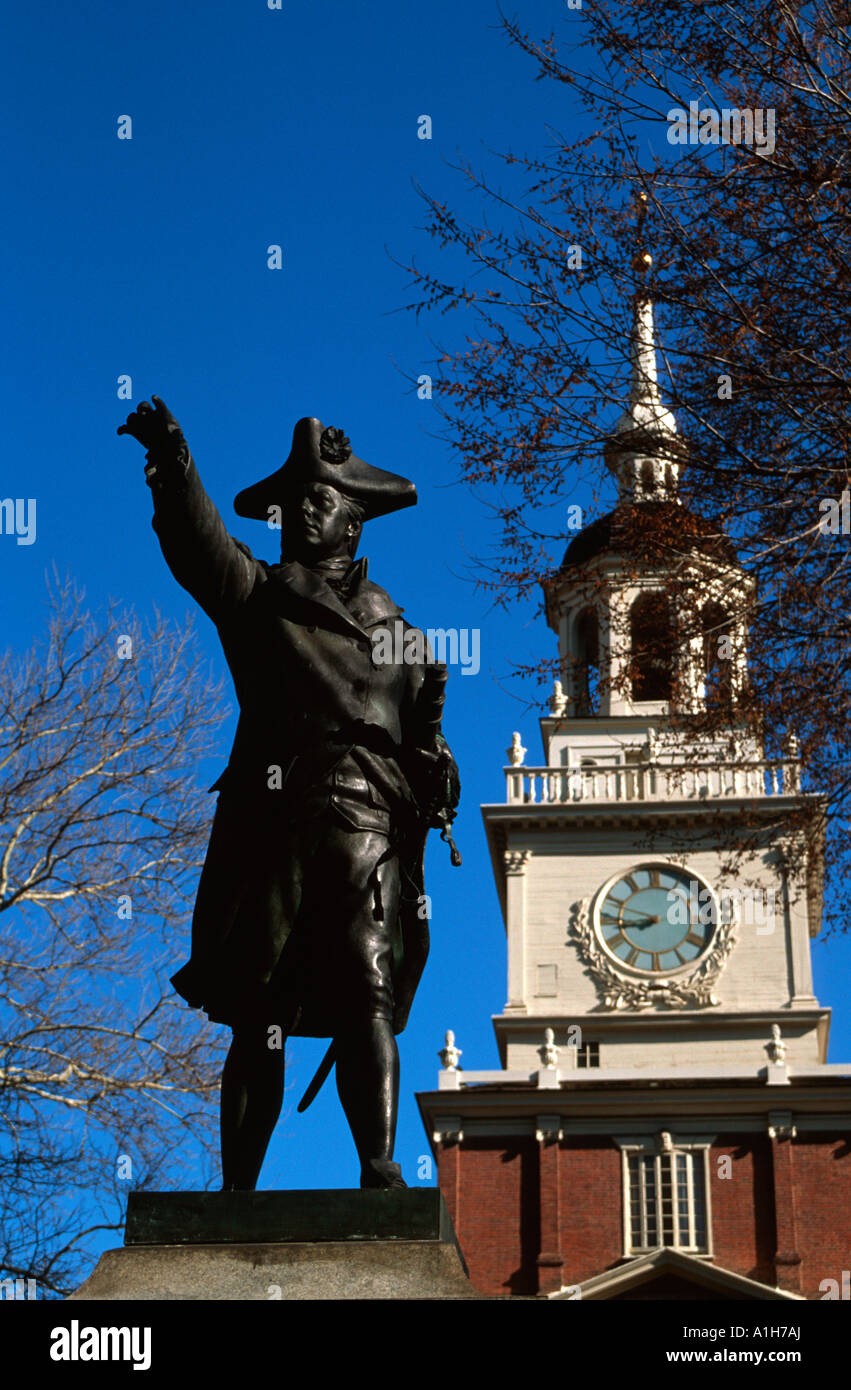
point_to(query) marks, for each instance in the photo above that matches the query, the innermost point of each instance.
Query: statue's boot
(368, 1084)
(381, 1173)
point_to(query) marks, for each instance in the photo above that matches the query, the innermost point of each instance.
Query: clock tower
(664, 1123)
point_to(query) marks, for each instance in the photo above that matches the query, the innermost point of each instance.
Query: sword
(321, 1076)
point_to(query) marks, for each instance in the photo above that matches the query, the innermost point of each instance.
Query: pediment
(672, 1275)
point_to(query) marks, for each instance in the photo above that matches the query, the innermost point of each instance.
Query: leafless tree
(103, 1075)
(746, 252)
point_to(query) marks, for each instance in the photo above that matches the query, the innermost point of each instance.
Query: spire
(645, 410)
(644, 450)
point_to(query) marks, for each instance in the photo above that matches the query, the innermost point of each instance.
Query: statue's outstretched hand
(154, 426)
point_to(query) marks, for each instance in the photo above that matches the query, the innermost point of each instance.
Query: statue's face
(319, 525)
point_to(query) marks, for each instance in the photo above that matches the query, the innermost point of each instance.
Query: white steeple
(644, 450)
(639, 621)
(644, 410)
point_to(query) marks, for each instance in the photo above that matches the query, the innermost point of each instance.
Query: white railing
(652, 782)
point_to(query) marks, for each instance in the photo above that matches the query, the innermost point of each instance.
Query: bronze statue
(310, 917)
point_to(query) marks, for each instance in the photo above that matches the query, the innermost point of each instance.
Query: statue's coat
(317, 714)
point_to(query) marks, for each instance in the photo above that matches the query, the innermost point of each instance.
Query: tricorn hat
(320, 455)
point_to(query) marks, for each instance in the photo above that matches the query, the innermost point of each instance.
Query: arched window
(588, 662)
(717, 651)
(651, 648)
(648, 476)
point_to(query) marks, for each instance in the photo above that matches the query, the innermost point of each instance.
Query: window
(587, 662)
(665, 1198)
(652, 647)
(648, 476)
(588, 1054)
(717, 651)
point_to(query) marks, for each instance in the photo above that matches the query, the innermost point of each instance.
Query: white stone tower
(664, 1114)
(659, 878)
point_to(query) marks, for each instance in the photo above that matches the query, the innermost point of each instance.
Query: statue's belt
(379, 759)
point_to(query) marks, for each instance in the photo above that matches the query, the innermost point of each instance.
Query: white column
(618, 650)
(515, 922)
(792, 909)
(604, 642)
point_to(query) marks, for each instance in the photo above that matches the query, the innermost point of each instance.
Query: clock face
(656, 917)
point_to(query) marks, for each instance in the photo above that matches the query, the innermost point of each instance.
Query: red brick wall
(743, 1205)
(821, 1167)
(591, 1207)
(497, 1217)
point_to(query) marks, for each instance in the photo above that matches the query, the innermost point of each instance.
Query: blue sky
(147, 257)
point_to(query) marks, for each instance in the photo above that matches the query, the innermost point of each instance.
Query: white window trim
(652, 1147)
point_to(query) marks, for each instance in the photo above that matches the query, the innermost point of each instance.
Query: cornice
(632, 814)
(514, 1110)
(759, 1020)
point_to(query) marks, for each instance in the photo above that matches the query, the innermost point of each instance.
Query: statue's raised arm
(208, 562)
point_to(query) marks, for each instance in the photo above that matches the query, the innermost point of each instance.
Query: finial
(516, 753)
(449, 1054)
(549, 1052)
(642, 260)
(776, 1049)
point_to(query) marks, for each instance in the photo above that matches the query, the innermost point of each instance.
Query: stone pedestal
(283, 1245)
